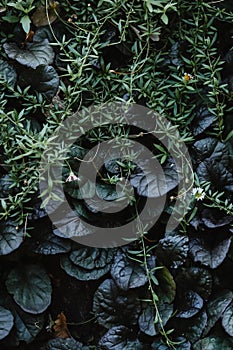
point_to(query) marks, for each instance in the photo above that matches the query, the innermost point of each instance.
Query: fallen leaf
(60, 327)
(40, 17)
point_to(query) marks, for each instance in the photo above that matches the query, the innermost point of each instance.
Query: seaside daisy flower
(72, 177)
(188, 76)
(198, 193)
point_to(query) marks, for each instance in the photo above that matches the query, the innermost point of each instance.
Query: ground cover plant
(165, 290)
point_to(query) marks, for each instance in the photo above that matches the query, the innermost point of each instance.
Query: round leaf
(31, 288)
(41, 18)
(6, 322)
(207, 254)
(7, 73)
(10, 237)
(216, 307)
(43, 79)
(33, 55)
(64, 344)
(227, 320)
(128, 273)
(190, 305)
(212, 343)
(92, 258)
(117, 338)
(172, 250)
(50, 244)
(147, 318)
(113, 307)
(196, 327)
(81, 273)
(27, 326)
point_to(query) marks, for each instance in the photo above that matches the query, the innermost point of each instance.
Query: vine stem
(158, 318)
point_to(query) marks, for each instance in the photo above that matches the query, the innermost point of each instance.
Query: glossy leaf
(113, 306)
(207, 253)
(31, 288)
(166, 288)
(128, 273)
(216, 308)
(118, 338)
(88, 263)
(64, 344)
(43, 79)
(7, 74)
(197, 279)
(217, 174)
(213, 343)
(146, 320)
(196, 327)
(33, 55)
(27, 326)
(172, 251)
(50, 245)
(11, 237)
(227, 319)
(202, 120)
(154, 182)
(183, 344)
(190, 304)
(211, 148)
(6, 322)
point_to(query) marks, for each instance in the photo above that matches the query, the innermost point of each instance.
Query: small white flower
(198, 193)
(72, 177)
(188, 76)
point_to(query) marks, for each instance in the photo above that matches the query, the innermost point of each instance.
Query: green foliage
(163, 291)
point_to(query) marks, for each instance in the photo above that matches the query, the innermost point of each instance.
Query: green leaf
(146, 319)
(227, 320)
(213, 343)
(119, 338)
(80, 273)
(166, 289)
(108, 192)
(154, 182)
(202, 120)
(92, 258)
(6, 322)
(33, 55)
(64, 344)
(216, 173)
(43, 79)
(88, 263)
(209, 253)
(7, 74)
(80, 190)
(216, 308)
(31, 288)
(10, 237)
(127, 273)
(183, 345)
(50, 244)
(25, 21)
(196, 326)
(190, 303)
(164, 18)
(197, 279)
(113, 306)
(26, 326)
(172, 251)
(11, 19)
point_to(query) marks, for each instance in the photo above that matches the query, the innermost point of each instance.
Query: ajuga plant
(164, 290)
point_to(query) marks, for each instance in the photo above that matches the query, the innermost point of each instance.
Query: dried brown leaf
(60, 327)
